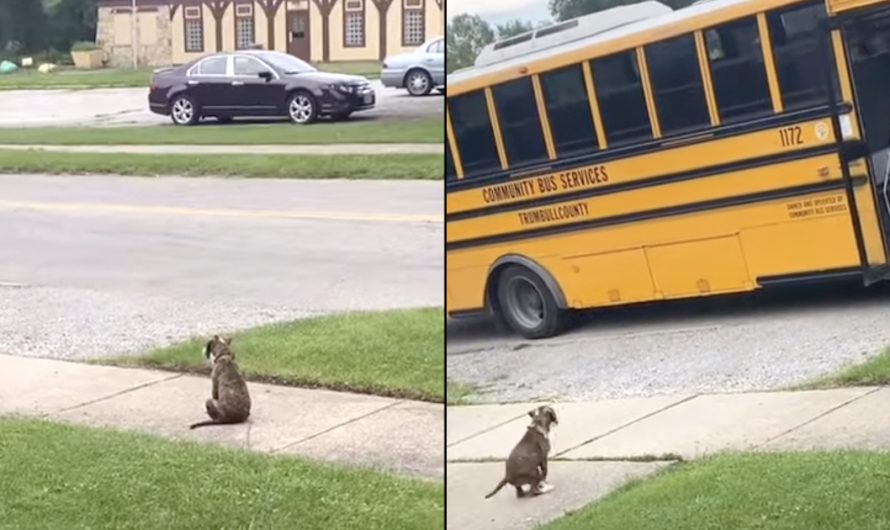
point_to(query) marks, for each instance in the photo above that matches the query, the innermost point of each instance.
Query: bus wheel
(527, 305)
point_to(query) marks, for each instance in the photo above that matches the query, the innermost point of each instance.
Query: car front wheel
(183, 110)
(302, 108)
(418, 83)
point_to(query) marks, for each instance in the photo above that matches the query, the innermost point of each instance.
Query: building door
(298, 34)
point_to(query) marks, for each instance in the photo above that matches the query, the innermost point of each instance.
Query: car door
(210, 85)
(435, 58)
(253, 94)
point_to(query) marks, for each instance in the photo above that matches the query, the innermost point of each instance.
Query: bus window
(621, 100)
(677, 85)
(568, 108)
(738, 71)
(520, 123)
(450, 174)
(473, 133)
(795, 37)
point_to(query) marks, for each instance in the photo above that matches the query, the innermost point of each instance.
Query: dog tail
(204, 423)
(497, 488)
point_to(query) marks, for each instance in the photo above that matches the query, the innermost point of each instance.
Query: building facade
(169, 32)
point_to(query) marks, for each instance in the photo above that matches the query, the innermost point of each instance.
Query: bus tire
(527, 305)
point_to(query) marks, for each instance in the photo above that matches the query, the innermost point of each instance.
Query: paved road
(103, 265)
(128, 106)
(735, 344)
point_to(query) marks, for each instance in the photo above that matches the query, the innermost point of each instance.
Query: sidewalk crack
(111, 396)
(628, 424)
(335, 427)
(817, 417)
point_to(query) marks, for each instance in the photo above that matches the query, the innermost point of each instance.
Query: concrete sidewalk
(289, 149)
(389, 434)
(599, 446)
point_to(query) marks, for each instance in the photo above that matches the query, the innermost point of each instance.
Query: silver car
(418, 71)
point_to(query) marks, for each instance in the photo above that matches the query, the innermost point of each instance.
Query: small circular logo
(821, 130)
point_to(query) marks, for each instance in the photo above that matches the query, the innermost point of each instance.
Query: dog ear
(228, 341)
(207, 348)
(533, 413)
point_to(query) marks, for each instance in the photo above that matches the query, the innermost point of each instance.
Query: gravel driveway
(129, 106)
(734, 344)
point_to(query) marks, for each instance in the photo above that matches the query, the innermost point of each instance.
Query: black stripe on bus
(710, 171)
(659, 213)
(662, 144)
(803, 278)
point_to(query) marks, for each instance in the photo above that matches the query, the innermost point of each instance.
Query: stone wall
(114, 34)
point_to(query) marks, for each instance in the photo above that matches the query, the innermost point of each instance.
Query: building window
(354, 23)
(413, 30)
(194, 29)
(244, 26)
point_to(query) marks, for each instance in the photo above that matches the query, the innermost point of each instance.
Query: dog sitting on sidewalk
(229, 401)
(527, 463)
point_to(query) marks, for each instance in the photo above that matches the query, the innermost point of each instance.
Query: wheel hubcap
(183, 111)
(525, 303)
(301, 109)
(418, 83)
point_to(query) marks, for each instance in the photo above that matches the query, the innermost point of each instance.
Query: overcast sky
(500, 11)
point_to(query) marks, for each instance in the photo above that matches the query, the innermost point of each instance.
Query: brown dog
(527, 463)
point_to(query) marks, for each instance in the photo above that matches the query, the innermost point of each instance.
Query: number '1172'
(790, 136)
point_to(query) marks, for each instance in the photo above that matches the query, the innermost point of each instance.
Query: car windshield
(287, 63)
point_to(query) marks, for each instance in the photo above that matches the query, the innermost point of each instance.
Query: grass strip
(426, 131)
(390, 353)
(355, 167)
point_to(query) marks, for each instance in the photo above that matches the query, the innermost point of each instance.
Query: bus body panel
(696, 254)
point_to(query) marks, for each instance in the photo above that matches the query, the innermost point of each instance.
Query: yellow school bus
(645, 154)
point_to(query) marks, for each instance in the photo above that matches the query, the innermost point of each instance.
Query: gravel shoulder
(727, 345)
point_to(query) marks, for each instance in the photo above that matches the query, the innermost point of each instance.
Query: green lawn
(382, 167)
(31, 79)
(427, 131)
(64, 477)
(874, 372)
(67, 77)
(804, 491)
(391, 353)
